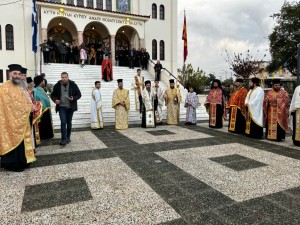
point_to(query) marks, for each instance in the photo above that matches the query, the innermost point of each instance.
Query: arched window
(99, 4)
(108, 5)
(154, 49)
(9, 37)
(161, 12)
(0, 38)
(70, 2)
(90, 3)
(80, 3)
(154, 11)
(162, 50)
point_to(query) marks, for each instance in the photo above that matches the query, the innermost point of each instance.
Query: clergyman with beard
(236, 105)
(215, 104)
(65, 95)
(254, 109)
(16, 145)
(172, 98)
(276, 112)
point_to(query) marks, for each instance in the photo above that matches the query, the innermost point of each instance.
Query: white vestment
(254, 99)
(148, 100)
(137, 85)
(96, 110)
(295, 105)
(160, 98)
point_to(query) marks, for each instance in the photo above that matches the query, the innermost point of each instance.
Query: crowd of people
(92, 54)
(149, 101)
(252, 111)
(26, 112)
(25, 118)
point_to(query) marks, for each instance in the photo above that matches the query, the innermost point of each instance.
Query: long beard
(251, 87)
(23, 84)
(15, 81)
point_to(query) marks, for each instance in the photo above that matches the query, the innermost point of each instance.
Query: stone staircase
(85, 78)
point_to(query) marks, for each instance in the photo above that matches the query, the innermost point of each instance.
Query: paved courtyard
(170, 175)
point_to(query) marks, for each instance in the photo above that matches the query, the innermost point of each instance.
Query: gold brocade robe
(275, 108)
(121, 118)
(172, 100)
(14, 121)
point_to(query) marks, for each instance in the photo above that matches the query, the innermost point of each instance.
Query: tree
(244, 65)
(228, 81)
(211, 77)
(283, 41)
(195, 78)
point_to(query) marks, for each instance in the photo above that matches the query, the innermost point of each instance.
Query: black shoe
(63, 142)
(68, 140)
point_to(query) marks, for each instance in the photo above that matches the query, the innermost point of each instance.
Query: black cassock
(45, 126)
(219, 117)
(240, 122)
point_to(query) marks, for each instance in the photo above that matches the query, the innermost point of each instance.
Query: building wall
(19, 16)
(147, 29)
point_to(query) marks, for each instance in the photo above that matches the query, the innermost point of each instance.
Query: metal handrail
(168, 73)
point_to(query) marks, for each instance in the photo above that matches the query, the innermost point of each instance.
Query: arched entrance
(127, 38)
(61, 28)
(97, 39)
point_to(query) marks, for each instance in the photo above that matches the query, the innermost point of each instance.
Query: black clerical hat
(13, 67)
(38, 79)
(172, 81)
(29, 80)
(276, 81)
(120, 80)
(255, 80)
(147, 82)
(24, 70)
(239, 80)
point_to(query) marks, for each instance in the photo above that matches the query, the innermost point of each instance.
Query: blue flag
(34, 24)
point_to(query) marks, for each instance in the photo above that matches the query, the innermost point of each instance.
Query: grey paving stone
(53, 194)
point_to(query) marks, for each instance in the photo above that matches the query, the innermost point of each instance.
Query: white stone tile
(119, 196)
(141, 136)
(281, 172)
(80, 141)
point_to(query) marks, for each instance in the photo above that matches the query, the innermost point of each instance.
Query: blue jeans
(66, 115)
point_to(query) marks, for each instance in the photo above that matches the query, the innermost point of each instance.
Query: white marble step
(85, 78)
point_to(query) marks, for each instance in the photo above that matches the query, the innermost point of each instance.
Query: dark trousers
(131, 63)
(141, 102)
(62, 58)
(66, 115)
(46, 56)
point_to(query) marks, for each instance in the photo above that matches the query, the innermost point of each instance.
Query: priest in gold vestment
(16, 147)
(121, 104)
(172, 99)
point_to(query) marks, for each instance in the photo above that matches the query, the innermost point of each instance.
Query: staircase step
(85, 78)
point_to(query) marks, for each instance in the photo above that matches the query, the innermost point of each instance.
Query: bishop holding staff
(148, 107)
(172, 99)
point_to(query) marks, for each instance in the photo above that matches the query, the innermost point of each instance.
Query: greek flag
(34, 25)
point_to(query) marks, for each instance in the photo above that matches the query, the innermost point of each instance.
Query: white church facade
(148, 24)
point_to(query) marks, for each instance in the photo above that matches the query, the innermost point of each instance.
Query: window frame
(162, 48)
(9, 40)
(154, 11)
(162, 12)
(154, 49)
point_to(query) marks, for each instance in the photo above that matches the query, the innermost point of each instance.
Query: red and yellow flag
(184, 38)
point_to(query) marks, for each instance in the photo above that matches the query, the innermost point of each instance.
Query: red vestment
(107, 70)
(276, 111)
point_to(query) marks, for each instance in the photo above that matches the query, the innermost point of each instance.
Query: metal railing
(170, 74)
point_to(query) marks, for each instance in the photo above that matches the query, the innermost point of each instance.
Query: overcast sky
(216, 25)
